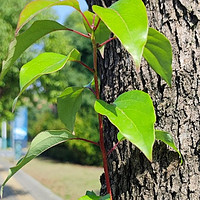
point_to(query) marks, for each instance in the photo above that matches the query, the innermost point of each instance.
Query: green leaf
(127, 19)
(167, 139)
(27, 38)
(45, 63)
(69, 103)
(133, 114)
(92, 196)
(120, 137)
(158, 53)
(35, 7)
(40, 143)
(102, 33)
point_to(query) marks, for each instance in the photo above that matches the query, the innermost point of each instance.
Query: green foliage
(133, 114)
(158, 53)
(167, 139)
(35, 7)
(69, 103)
(92, 196)
(10, 10)
(45, 63)
(27, 38)
(128, 21)
(41, 143)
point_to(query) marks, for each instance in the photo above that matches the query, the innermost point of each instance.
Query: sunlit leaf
(37, 30)
(133, 114)
(69, 103)
(40, 143)
(127, 19)
(92, 196)
(45, 63)
(167, 139)
(35, 7)
(158, 53)
(102, 33)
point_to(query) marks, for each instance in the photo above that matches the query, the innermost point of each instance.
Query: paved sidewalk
(22, 186)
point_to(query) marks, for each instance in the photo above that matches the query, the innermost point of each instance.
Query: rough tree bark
(132, 176)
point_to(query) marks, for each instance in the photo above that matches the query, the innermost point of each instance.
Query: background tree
(44, 92)
(9, 87)
(177, 108)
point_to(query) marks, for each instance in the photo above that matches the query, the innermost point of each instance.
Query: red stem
(86, 66)
(82, 34)
(100, 118)
(113, 148)
(85, 19)
(95, 28)
(100, 45)
(89, 141)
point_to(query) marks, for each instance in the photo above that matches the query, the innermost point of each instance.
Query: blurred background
(37, 106)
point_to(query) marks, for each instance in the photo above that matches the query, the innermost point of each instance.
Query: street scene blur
(69, 169)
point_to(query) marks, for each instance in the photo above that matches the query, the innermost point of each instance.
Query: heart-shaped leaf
(69, 103)
(102, 33)
(40, 143)
(158, 53)
(45, 63)
(133, 114)
(35, 7)
(27, 38)
(167, 139)
(127, 19)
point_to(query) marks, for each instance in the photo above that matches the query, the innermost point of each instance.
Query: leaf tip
(14, 103)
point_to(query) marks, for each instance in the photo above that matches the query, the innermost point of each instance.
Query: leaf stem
(95, 28)
(79, 33)
(89, 141)
(114, 147)
(102, 44)
(85, 19)
(86, 66)
(100, 118)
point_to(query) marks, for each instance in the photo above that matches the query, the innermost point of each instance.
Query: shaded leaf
(45, 63)
(35, 7)
(158, 53)
(92, 196)
(127, 19)
(27, 38)
(133, 114)
(120, 137)
(40, 143)
(167, 139)
(69, 103)
(102, 33)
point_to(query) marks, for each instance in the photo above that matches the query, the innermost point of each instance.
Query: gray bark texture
(177, 108)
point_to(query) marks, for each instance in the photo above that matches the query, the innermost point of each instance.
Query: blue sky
(64, 11)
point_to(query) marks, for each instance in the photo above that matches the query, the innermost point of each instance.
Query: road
(22, 186)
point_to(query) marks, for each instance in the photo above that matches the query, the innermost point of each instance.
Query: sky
(64, 11)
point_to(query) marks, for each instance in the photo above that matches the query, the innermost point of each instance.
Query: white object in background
(4, 134)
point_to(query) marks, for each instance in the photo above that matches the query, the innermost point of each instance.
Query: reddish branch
(102, 44)
(86, 66)
(100, 118)
(89, 141)
(82, 34)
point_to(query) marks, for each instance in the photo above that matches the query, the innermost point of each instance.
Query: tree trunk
(177, 108)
